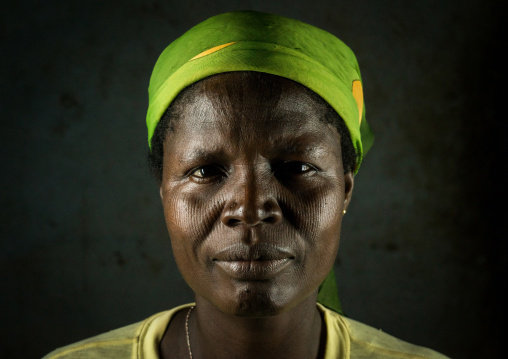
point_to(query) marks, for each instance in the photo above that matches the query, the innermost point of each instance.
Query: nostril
(270, 220)
(232, 222)
(271, 213)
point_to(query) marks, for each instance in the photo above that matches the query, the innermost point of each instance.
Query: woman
(256, 128)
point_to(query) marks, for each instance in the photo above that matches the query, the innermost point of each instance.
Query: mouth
(259, 262)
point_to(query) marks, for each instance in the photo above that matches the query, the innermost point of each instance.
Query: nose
(252, 202)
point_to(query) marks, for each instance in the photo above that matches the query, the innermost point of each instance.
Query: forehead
(250, 101)
(239, 107)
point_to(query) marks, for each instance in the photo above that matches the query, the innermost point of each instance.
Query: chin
(254, 300)
(256, 306)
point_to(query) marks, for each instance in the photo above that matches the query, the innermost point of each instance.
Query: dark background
(83, 244)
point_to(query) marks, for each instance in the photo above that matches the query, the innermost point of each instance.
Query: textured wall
(84, 247)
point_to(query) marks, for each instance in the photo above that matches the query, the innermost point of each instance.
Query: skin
(253, 192)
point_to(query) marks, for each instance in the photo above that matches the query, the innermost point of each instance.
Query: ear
(349, 181)
(160, 192)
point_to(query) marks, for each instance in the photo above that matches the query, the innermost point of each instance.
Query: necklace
(187, 330)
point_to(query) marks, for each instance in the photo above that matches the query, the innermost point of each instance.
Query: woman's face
(253, 192)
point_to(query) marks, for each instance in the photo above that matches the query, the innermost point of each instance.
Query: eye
(207, 173)
(294, 168)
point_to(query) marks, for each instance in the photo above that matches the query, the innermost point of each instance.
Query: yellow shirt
(346, 338)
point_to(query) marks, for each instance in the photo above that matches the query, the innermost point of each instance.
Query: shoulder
(117, 343)
(367, 342)
(139, 340)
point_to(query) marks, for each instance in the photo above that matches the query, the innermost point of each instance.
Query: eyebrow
(307, 144)
(202, 154)
(304, 144)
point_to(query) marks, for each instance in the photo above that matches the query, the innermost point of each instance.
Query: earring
(344, 211)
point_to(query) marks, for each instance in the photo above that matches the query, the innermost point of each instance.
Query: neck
(296, 333)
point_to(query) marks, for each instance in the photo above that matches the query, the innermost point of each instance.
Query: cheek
(190, 212)
(190, 217)
(318, 217)
(317, 212)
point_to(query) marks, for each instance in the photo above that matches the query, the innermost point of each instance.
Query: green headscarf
(254, 41)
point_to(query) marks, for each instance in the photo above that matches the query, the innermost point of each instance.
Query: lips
(258, 262)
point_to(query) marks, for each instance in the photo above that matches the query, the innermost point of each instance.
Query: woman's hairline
(166, 122)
